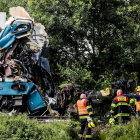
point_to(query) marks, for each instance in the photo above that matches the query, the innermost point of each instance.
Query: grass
(20, 127)
(130, 131)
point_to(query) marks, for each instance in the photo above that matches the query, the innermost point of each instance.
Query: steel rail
(48, 119)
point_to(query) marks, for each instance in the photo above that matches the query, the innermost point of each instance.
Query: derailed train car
(26, 84)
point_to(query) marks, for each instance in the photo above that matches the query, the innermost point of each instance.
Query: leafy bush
(129, 131)
(20, 127)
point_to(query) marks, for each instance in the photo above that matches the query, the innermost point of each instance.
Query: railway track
(47, 119)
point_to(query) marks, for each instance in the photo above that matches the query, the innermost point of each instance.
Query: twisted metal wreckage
(26, 82)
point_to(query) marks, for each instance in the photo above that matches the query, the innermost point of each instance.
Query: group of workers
(119, 111)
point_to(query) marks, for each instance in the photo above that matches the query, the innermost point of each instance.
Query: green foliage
(130, 131)
(76, 74)
(6, 4)
(102, 33)
(22, 128)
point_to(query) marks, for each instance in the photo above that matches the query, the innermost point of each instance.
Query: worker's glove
(132, 101)
(91, 124)
(111, 121)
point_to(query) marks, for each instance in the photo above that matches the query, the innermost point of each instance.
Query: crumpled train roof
(17, 12)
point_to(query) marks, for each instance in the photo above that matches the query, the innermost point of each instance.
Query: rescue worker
(132, 103)
(85, 116)
(120, 108)
(137, 97)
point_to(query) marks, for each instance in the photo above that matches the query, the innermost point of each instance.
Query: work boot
(88, 137)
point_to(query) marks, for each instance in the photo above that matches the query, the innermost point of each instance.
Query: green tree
(101, 32)
(76, 74)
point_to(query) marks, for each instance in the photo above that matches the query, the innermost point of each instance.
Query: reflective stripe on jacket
(82, 109)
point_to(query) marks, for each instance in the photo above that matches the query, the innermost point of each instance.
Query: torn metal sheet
(17, 12)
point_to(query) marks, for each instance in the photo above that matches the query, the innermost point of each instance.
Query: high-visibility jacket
(137, 97)
(137, 105)
(84, 109)
(120, 106)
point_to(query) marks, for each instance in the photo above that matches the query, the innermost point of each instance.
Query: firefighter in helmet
(85, 116)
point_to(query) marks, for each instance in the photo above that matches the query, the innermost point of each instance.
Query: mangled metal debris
(26, 81)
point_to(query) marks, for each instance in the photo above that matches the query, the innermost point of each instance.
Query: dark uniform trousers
(83, 125)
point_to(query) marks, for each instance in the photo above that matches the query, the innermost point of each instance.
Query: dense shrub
(130, 131)
(20, 127)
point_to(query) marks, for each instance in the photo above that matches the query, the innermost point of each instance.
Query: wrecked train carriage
(26, 82)
(66, 98)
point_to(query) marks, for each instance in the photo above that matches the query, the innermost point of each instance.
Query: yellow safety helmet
(138, 88)
(111, 121)
(91, 124)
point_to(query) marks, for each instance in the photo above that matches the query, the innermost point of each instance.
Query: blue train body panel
(6, 88)
(7, 41)
(5, 31)
(16, 25)
(34, 99)
(8, 35)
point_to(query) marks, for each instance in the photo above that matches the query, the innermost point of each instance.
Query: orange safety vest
(81, 108)
(137, 105)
